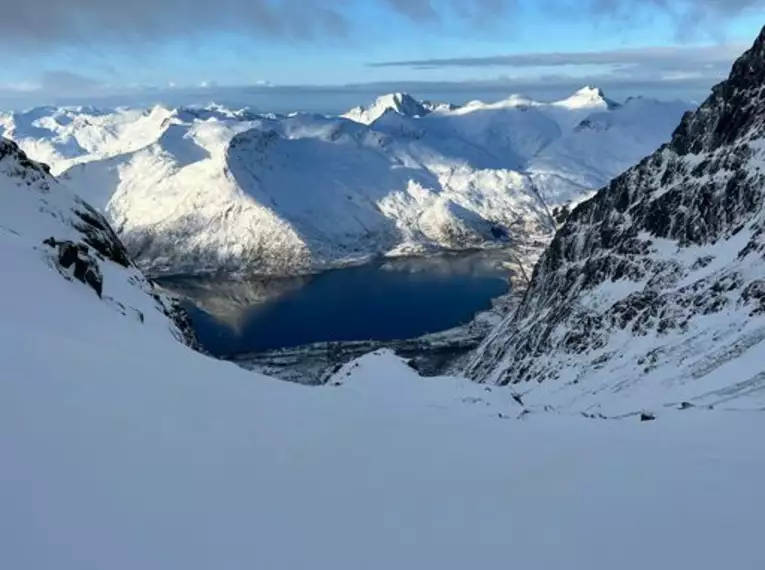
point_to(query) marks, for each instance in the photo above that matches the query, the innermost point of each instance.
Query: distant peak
(399, 102)
(396, 100)
(589, 96)
(591, 91)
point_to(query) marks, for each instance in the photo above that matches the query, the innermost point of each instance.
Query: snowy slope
(599, 146)
(43, 225)
(654, 290)
(61, 137)
(124, 449)
(205, 190)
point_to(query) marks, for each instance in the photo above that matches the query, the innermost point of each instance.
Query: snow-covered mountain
(654, 290)
(48, 234)
(401, 103)
(63, 136)
(588, 97)
(211, 189)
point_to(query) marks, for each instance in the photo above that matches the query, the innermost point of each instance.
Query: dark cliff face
(88, 242)
(679, 236)
(733, 113)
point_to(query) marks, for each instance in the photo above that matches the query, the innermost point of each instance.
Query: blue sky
(99, 48)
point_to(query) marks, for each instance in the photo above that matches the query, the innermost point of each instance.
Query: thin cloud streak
(655, 57)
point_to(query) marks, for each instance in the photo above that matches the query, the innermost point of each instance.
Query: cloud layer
(653, 58)
(44, 23)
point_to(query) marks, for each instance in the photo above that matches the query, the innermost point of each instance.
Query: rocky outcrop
(84, 266)
(659, 277)
(77, 240)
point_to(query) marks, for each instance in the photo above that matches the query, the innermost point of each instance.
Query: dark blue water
(380, 301)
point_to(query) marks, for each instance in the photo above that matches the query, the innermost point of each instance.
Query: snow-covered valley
(611, 420)
(123, 448)
(208, 190)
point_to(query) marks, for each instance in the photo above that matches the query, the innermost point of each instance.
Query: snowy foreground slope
(45, 227)
(201, 190)
(124, 449)
(656, 286)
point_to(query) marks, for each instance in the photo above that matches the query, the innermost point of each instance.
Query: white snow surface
(214, 189)
(123, 449)
(35, 207)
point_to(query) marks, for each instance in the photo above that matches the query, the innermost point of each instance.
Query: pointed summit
(591, 91)
(733, 112)
(588, 97)
(401, 103)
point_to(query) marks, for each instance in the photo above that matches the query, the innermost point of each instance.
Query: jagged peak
(734, 110)
(14, 161)
(588, 96)
(399, 102)
(396, 97)
(591, 90)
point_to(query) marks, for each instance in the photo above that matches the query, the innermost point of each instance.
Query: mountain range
(209, 190)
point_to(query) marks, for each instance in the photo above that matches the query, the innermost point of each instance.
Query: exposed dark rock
(100, 236)
(94, 241)
(78, 256)
(618, 266)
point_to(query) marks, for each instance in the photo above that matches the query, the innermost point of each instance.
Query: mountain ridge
(40, 218)
(658, 280)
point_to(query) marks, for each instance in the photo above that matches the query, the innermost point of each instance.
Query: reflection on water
(386, 300)
(228, 301)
